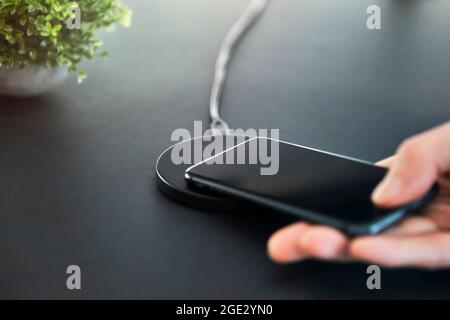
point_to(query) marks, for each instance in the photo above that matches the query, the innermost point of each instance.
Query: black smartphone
(313, 185)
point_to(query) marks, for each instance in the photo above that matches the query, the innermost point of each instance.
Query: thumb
(419, 162)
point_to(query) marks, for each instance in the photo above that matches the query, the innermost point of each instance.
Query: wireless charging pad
(171, 181)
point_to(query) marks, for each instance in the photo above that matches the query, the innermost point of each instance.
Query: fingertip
(282, 245)
(275, 252)
(387, 162)
(359, 247)
(388, 191)
(413, 172)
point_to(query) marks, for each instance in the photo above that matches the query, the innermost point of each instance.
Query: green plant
(37, 32)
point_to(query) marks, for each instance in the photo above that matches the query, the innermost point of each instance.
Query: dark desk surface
(77, 165)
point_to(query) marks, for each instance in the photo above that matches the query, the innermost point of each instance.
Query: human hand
(421, 241)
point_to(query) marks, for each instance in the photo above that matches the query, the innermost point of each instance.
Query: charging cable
(239, 28)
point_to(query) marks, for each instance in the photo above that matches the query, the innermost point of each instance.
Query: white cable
(245, 21)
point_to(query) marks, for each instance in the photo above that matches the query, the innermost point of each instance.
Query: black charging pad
(171, 181)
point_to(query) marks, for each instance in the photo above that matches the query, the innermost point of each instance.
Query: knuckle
(413, 146)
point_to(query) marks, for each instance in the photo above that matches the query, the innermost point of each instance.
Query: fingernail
(280, 255)
(388, 189)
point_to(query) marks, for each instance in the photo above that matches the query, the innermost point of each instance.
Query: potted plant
(41, 41)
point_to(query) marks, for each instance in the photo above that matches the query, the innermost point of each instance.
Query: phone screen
(333, 187)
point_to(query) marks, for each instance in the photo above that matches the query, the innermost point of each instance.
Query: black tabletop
(77, 180)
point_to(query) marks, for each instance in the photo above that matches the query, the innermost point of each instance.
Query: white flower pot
(30, 80)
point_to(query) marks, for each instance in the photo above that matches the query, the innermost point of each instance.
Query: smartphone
(310, 184)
